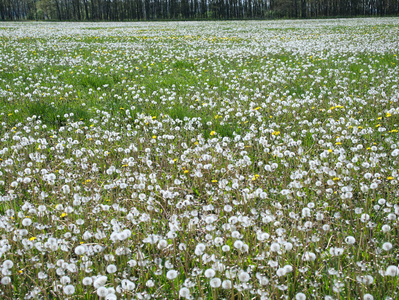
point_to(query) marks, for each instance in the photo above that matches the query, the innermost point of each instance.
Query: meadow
(200, 160)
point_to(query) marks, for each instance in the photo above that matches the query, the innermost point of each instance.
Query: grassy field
(200, 160)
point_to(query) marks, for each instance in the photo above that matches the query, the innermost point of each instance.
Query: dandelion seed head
(102, 291)
(243, 277)
(274, 247)
(387, 246)
(171, 274)
(350, 240)
(69, 289)
(226, 248)
(111, 268)
(392, 271)
(215, 282)
(5, 280)
(26, 222)
(209, 273)
(184, 292)
(8, 264)
(226, 284)
(87, 281)
(300, 296)
(100, 281)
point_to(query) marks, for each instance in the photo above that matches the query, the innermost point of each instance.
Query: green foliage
(97, 81)
(55, 115)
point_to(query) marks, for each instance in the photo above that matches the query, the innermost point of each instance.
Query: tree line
(129, 10)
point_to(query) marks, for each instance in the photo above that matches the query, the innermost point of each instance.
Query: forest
(130, 10)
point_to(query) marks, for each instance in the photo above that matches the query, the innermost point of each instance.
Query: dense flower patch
(209, 160)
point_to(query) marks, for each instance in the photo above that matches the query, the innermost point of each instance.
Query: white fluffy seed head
(111, 297)
(226, 248)
(387, 246)
(8, 264)
(26, 222)
(392, 271)
(127, 285)
(100, 281)
(235, 234)
(172, 274)
(215, 282)
(263, 280)
(162, 244)
(306, 212)
(102, 291)
(288, 246)
(288, 268)
(87, 281)
(368, 279)
(238, 244)
(243, 277)
(281, 272)
(385, 228)
(184, 292)
(226, 284)
(65, 280)
(210, 273)
(150, 283)
(274, 247)
(336, 251)
(111, 268)
(5, 280)
(368, 297)
(309, 256)
(300, 296)
(69, 289)
(350, 240)
(80, 250)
